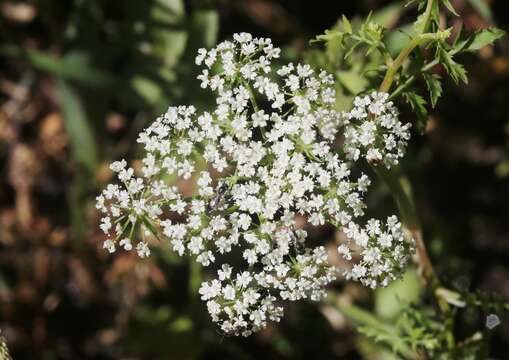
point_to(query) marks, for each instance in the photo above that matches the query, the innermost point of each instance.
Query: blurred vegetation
(79, 79)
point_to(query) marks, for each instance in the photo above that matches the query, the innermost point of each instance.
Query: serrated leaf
(393, 339)
(329, 36)
(418, 105)
(455, 70)
(372, 326)
(418, 25)
(449, 7)
(483, 38)
(434, 87)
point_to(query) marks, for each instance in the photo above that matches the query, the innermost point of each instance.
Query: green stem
(402, 87)
(427, 16)
(401, 190)
(363, 318)
(251, 95)
(394, 66)
(399, 184)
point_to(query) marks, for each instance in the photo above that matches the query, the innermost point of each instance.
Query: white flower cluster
(384, 252)
(269, 151)
(373, 130)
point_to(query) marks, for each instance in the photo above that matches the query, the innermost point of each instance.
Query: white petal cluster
(269, 150)
(383, 250)
(373, 130)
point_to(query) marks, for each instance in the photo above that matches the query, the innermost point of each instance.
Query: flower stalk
(399, 184)
(401, 190)
(393, 66)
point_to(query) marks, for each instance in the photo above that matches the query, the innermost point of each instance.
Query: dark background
(78, 81)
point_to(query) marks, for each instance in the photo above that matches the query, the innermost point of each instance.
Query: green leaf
(149, 90)
(388, 15)
(169, 32)
(205, 23)
(330, 36)
(389, 301)
(347, 27)
(483, 38)
(78, 128)
(203, 29)
(449, 7)
(451, 297)
(73, 66)
(352, 80)
(455, 70)
(195, 278)
(169, 11)
(417, 103)
(399, 39)
(482, 8)
(150, 227)
(371, 325)
(434, 87)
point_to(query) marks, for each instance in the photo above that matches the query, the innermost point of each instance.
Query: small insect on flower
(220, 191)
(271, 165)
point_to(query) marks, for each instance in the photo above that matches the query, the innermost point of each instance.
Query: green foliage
(425, 332)
(482, 8)
(78, 127)
(74, 66)
(454, 69)
(4, 351)
(151, 328)
(480, 39)
(134, 58)
(448, 5)
(369, 36)
(426, 38)
(420, 330)
(434, 87)
(390, 301)
(418, 105)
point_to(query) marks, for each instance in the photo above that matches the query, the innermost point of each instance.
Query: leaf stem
(401, 190)
(393, 66)
(398, 184)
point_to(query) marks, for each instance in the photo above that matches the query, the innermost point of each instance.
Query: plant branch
(399, 184)
(394, 66)
(401, 190)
